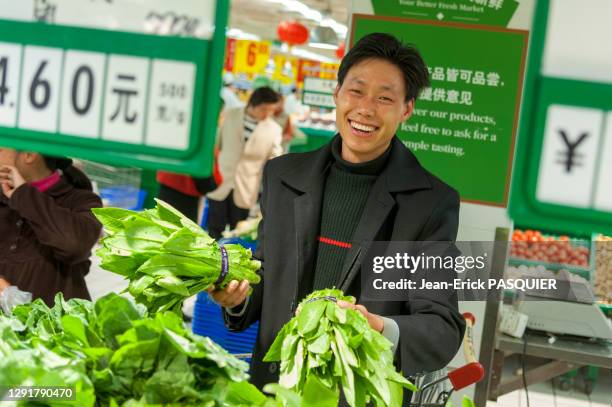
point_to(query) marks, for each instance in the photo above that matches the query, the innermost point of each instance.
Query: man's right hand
(233, 295)
(3, 284)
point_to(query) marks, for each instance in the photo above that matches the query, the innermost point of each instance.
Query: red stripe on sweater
(334, 242)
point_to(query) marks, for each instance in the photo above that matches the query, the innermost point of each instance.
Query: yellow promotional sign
(329, 70)
(251, 56)
(285, 69)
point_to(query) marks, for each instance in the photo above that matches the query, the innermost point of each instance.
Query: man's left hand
(375, 321)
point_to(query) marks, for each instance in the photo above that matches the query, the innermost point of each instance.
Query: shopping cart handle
(466, 375)
(469, 316)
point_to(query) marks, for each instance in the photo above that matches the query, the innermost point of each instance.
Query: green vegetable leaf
(316, 394)
(320, 345)
(274, 352)
(166, 257)
(244, 393)
(310, 315)
(287, 397)
(327, 348)
(467, 402)
(75, 327)
(115, 316)
(112, 218)
(174, 285)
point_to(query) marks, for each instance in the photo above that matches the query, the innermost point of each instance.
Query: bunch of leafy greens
(332, 346)
(110, 353)
(167, 257)
(30, 363)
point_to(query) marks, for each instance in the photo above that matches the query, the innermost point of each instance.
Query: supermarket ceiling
(261, 17)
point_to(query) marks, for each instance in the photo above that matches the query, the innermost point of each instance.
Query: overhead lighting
(238, 34)
(303, 53)
(323, 37)
(303, 9)
(322, 45)
(340, 29)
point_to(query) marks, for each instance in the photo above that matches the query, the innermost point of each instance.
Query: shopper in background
(322, 209)
(183, 192)
(247, 139)
(293, 104)
(283, 119)
(46, 224)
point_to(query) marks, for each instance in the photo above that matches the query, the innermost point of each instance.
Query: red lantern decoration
(340, 50)
(292, 32)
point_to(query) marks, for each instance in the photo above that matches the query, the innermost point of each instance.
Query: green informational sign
(463, 126)
(482, 12)
(319, 92)
(564, 152)
(126, 82)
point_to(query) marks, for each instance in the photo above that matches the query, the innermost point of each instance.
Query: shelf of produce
(535, 248)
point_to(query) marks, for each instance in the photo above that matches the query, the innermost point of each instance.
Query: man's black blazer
(406, 203)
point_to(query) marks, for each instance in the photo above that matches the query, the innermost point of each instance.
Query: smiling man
(323, 207)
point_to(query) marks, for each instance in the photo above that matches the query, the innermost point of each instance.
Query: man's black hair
(384, 46)
(263, 95)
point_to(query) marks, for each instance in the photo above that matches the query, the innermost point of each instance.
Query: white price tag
(124, 99)
(319, 99)
(569, 155)
(22, 10)
(603, 197)
(10, 67)
(170, 103)
(82, 93)
(40, 88)
(319, 85)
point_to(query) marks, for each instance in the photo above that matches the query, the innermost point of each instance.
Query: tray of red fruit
(533, 248)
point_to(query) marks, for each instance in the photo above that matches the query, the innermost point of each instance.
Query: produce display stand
(560, 357)
(588, 272)
(585, 272)
(492, 307)
(563, 356)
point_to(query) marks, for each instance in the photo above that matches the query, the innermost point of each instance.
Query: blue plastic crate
(124, 196)
(208, 321)
(249, 244)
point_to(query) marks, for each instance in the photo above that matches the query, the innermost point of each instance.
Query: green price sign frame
(123, 98)
(463, 127)
(554, 188)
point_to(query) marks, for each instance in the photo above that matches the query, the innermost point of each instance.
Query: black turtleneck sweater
(344, 197)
